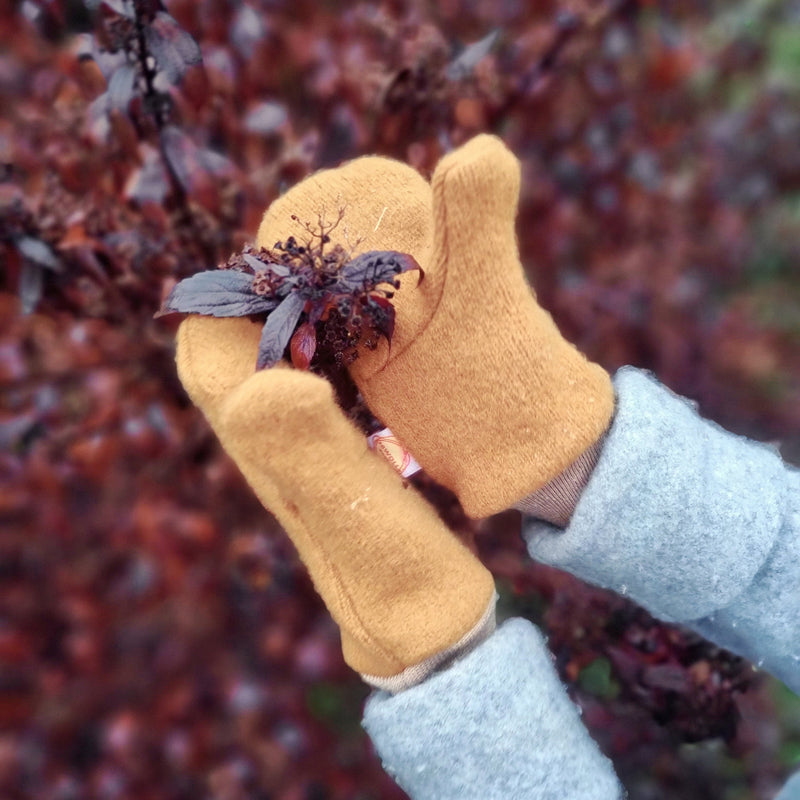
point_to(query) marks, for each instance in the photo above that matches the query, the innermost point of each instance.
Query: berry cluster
(355, 323)
(338, 303)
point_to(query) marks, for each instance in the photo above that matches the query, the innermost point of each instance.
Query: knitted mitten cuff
(417, 673)
(556, 500)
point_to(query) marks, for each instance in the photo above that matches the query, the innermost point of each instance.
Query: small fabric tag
(387, 444)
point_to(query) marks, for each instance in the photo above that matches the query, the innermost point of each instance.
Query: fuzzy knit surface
(791, 791)
(478, 383)
(496, 725)
(694, 523)
(400, 586)
(763, 623)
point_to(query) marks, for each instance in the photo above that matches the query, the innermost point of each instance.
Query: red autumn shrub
(161, 639)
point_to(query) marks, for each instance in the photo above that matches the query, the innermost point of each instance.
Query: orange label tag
(387, 444)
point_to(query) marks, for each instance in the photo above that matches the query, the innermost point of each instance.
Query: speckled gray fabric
(697, 525)
(496, 725)
(763, 623)
(679, 514)
(791, 791)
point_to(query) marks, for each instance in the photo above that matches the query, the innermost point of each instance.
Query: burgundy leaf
(278, 331)
(303, 345)
(387, 326)
(217, 293)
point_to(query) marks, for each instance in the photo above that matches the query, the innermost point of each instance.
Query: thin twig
(155, 102)
(152, 96)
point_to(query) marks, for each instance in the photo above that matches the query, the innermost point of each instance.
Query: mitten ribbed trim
(555, 501)
(417, 673)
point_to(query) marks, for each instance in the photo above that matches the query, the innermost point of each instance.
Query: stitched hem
(417, 673)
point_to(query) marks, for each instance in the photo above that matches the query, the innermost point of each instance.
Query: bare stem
(152, 96)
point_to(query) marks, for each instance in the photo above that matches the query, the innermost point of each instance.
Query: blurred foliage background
(159, 639)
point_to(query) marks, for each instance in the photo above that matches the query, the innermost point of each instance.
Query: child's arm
(697, 525)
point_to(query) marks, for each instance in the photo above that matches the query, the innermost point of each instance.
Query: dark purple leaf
(190, 162)
(31, 284)
(303, 346)
(172, 47)
(386, 324)
(39, 252)
(463, 66)
(179, 151)
(371, 269)
(121, 88)
(278, 330)
(15, 430)
(217, 293)
(319, 308)
(626, 663)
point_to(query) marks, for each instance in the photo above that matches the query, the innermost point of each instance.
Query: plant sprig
(320, 302)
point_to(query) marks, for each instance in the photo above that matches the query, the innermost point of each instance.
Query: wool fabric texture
(477, 383)
(704, 530)
(715, 504)
(400, 586)
(496, 725)
(791, 791)
(763, 625)
(640, 502)
(421, 670)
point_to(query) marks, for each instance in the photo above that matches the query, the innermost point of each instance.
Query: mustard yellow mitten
(401, 587)
(478, 383)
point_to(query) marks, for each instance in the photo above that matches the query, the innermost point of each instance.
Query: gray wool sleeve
(697, 525)
(495, 725)
(791, 791)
